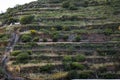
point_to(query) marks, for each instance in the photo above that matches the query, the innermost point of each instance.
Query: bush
(26, 38)
(65, 37)
(69, 5)
(47, 68)
(45, 40)
(36, 39)
(33, 32)
(22, 58)
(77, 38)
(77, 66)
(67, 58)
(58, 28)
(108, 75)
(27, 19)
(55, 38)
(73, 75)
(85, 75)
(108, 31)
(15, 53)
(80, 58)
(66, 28)
(69, 65)
(66, 4)
(12, 20)
(72, 7)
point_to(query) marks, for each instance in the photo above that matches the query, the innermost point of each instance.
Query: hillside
(61, 40)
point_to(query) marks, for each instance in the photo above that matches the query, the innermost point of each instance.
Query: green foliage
(45, 40)
(108, 75)
(65, 37)
(66, 28)
(22, 58)
(66, 4)
(12, 20)
(77, 38)
(55, 37)
(36, 39)
(33, 32)
(15, 53)
(67, 58)
(73, 66)
(3, 37)
(26, 38)
(108, 31)
(77, 66)
(72, 7)
(79, 58)
(73, 74)
(47, 68)
(85, 75)
(27, 19)
(69, 5)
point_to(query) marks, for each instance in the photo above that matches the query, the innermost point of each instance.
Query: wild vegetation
(63, 39)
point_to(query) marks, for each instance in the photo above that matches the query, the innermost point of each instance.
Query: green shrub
(73, 75)
(32, 44)
(58, 28)
(108, 75)
(73, 18)
(47, 68)
(15, 53)
(27, 19)
(33, 32)
(65, 37)
(55, 38)
(67, 58)
(108, 31)
(66, 4)
(66, 28)
(3, 37)
(77, 66)
(29, 52)
(79, 58)
(26, 38)
(69, 5)
(12, 20)
(22, 58)
(72, 7)
(73, 66)
(85, 75)
(36, 39)
(77, 38)
(64, 17)
(67, 66)
(45, 40)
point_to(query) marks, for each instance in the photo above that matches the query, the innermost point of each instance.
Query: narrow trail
(13, 40)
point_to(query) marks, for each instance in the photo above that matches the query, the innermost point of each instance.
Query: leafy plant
(26, 38)
(27, 19)
(36, 39)
(22, 58)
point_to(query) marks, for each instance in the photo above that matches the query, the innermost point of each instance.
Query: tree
(27, 19)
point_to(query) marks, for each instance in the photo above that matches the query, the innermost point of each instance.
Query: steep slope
(62, 40)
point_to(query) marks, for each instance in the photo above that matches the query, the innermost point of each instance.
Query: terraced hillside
(63, 40)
